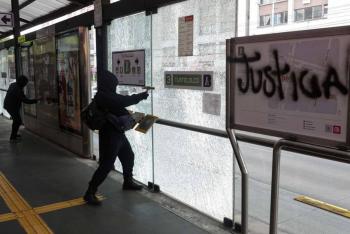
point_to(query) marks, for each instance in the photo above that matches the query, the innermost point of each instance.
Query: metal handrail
(248, 139)
(277, 145)
(318, 151)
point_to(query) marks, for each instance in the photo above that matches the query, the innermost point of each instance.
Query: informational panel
(296, 88)
(45, 80)
(27, 55)
(185, 46)
(11, 65)
(202, 80)
(212, 103)
(129, 67)
(68, 81)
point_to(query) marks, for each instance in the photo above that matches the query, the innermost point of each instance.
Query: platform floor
(37, 179)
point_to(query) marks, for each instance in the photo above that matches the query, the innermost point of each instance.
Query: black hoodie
(15, 95)
(107, 98)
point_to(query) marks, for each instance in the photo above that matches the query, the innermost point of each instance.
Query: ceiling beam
(51, 16)
(26, 3)
(76, 3)
(25, 21)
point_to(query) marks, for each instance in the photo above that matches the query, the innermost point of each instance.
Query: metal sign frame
(230, 85)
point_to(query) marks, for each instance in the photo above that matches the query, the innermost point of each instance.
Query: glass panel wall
(127, 34)
(187, 163)
(4, 80)
(27, 57)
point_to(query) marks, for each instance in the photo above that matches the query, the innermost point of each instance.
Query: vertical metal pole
(101, 51)
(16, 34)
(245, 178)
(101, 46)
(153, 163)
(237, 153)
(236, 19)
(229, 53)
(247, 18)
(275, 187)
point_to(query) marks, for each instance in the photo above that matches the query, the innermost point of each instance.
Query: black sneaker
(129, 184)
(91, 199)
(14, 140)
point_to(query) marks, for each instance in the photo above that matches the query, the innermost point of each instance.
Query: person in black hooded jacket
(113, 142)
(13, 101)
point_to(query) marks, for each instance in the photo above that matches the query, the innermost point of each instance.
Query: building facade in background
(272, 16)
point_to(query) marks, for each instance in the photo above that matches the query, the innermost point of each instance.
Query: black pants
(16, 123)
(112, 144)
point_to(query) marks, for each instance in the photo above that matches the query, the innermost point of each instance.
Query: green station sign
(189, 80)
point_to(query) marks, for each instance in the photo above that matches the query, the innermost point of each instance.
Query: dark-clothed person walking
(113, 141)
(12, 103)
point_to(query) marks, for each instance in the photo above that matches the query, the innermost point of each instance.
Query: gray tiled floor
(44, 174)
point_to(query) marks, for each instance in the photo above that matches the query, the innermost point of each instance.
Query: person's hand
(144, 95)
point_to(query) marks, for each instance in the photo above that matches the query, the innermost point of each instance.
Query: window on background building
(325, 10)
(317, 12)
(299, 15)
(280, 18)
(265, 20)
(309, 13)
(265, 1)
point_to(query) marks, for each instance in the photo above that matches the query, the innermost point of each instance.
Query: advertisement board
(292, 85)
(45, 80)
(28, 71)
(129, 67)
(68, 81)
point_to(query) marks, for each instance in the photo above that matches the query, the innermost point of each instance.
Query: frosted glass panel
(192, 167)
(4, 79)
(213, 24)
(196, 169)
(133, 33)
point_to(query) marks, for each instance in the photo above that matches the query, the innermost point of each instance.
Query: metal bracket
(153, 187)
(228, 222)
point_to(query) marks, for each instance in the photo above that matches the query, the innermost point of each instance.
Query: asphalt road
(320, 179)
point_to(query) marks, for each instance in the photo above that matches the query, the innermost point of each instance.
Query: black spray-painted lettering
(308, 84)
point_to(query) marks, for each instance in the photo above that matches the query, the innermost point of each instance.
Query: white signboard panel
(6, 19)
(129, 67)
(186, 36)
(296, 88)
(212, 103)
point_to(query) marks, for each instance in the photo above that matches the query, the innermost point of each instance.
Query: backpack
(93, 116)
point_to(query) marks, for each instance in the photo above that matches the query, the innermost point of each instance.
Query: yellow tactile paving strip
(27, 216)
(324, 206)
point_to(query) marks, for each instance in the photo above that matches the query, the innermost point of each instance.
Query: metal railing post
(244, 171)
(275, 186)
(308, 150)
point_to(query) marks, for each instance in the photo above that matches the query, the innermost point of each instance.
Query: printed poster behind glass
(129, 67)
(68, 80)
(28, 71)
(45, 80)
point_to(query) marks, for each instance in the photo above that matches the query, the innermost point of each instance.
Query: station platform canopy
(34, 12)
